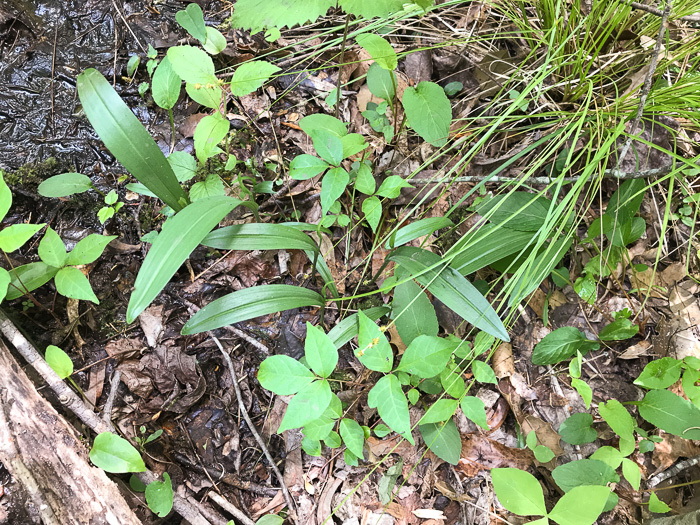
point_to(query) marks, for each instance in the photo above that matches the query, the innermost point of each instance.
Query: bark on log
(42, 451)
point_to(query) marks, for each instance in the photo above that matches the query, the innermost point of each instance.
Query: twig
(658, 12)
(646, 88)
(138, 42)
(251, 426)
(114, 386)
(231, 509)
(69, 399)
(675, 469)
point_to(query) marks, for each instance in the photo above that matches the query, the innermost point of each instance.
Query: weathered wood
(42, 451)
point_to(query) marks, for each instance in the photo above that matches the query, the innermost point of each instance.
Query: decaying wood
(42, 451)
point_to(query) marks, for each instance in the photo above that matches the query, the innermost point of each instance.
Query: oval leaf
(320, 353)
(284, 375)
(307, 405)
(429, 112)
(29, 277)
(192, 65)
(259, 236)
(166, 85)
(115, 454)
(192, 20)
(59, 361)
(353, 436)
(379, 49)
(518, 491)
(159, 494)
(250, 76)
(64, 185)
(71, 282)
(443, 440)
(387, 397)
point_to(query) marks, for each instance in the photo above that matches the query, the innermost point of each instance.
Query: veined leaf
(519, 210)
(371, 8)
(52, 250)
(180, 235)
(6, 196)
(192, 20)
(249, 76)
(127, 139)
(413, 313)
(4, 283)
(71, 282)
(257, 15)
(215, 42)
(208, 96)
(259, 236)
(59, 361)
(321, 354)
(451, 288)
(671, 413)
(30, 276)
(332, 187)
(388, 398)
(15, 235)
(284, 375)
(306, 166)
(441, 410)
(348, 327)
(374, 350)
(426, 356)
(64, 185)
(580, 506)
(353, 436)
(485, 246)
(192, 65)
(166, 84)
(443, 440)
(159, 494)
(518, 491)
(381, 83)
(429, 112)
(320, 121)
(307, 405)
(115, 454)
(418, 229)
(209, 132)
(89, 249)
(183, 164)
(379, 49)
(248, 303)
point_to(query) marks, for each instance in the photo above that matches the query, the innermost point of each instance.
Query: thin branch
(231, 509)
(658, 12)
(670, 472)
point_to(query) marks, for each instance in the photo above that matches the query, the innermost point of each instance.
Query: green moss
(31, 175)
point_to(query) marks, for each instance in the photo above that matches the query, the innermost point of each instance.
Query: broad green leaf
(332, 187)
(211, 130)
(320, 121)
(349, 328)
(625, 203)
(180, 235)
(192, 65)
(159, 494)
(319, 428)
(259, 236)
(321, 354)
(311, 446)
(364, 180)
(618, 330)
(249, 76)
(333, 440)
(580, 506)
(417, 229)
(413, 313)
(379, 49)
(660, 373)
(451, 288)
(15, 235)
(629, 232)
(4, 283)
(52, 250)
(305, 167)
(115, 454)
(543, 454)
(608, 455)
(183, 164)
(451, 380)
(249, 303)
(352, 144)
(584, 472)
(475, 410)
(381, 83)
(257, 15)
(441, 410)
(632, 473)
(192, 20)
(328, 146)
(89, 249)
(387, 397)
(270, 519)
(560, 345)
(308, 404)
(212, 186)
(208, 95)
(353, 436)
(429, 112)
(6, 195)
(64, 185)
(485, 246)
(618, 418)
(371, 8)
(127, 139)
(518, 491)
(28, 277)
(284, 375)
(372, 208)
(443, 440)
(517, 210)
(586, 288)
(215, 42)
(59, 361)
(671, 413)
(483, 373)
(71, 282)
(576, 429)
(166, 85)
(656, 505)
(391, 187)
(374, 350)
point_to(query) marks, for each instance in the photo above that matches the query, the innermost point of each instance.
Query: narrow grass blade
(249, 303)
(180, 235)
(127, 139)
(487, 245)
(451, 288)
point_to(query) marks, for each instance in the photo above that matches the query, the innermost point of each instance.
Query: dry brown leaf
(546, 435)
(641, 349)
(482, 453)
(151, 321)
(502, 361)
(670, 449)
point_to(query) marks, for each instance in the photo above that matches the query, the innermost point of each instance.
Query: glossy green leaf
(580, 506)
(483, 373)
(656, 505)
(15, 235)
(333, 186)
(671, 413)
(353, 436)
(388, 398)
(64, 185)
(71, 282)
(372, 209)
(192, 65)
(485, 246)
(115, 454)
(159, 494)
(577, 430)
(208, 95)
(308, 404)
(322, 122)
(417, 229)
(59, 361)
(306, 166)
(321, 354)
(379, 49)
(192, 20)
(441, 410)
(374, 350)
(475, 410)
(619, 330)
(259, 236)
(249, 303)
(215, 42)
(29, 277)
(4, 283)
(443, 440)
(348, 328)
(518, 210)
(284, 375)
(165, 85)
(127, 139)
(211, 130)
(426, 356)
(660, 373)
(518, 491)
(364, 179)
(413, 313)
(180, 235)
(451, 288)
(561, 344)
(52, 250)
(89, 249)
(381, 83)
(249, 76)
(429, 112)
